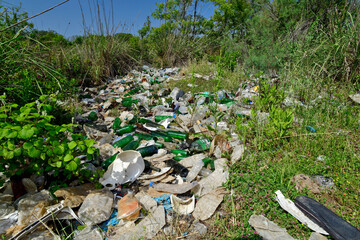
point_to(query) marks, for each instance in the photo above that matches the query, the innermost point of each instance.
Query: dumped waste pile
(164, 155)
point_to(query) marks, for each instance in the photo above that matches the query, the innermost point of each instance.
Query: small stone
(96, 207)
(169, 231)
(75, 196)
(88, 233)
(355, 98)
(199, 228)
(42, 235)
(146, 229)
(238, 152)
(207, 205)
(317, 236)
(32, 207)
(268, 229)
(5, 209)
(29, 185)
(324, 182)
(302, 181)
(6, 198)
(148, 202)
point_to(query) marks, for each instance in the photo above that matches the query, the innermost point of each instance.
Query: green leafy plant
(280, 121)
(30, 142)
(269, 96)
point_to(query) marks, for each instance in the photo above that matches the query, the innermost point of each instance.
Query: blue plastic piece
(310, 128)
(165, 201)
(111, 221)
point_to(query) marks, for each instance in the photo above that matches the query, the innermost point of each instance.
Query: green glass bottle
(160, 118)
(162, 135)
(132, 145)
(177, 135)
(159, 144)
(116, 124)
(144, 136)
(179, 158)
(108, 161)
(132, 92)
(128, 103)
(147, 151)
(143, 120)
(124, 141)
(200, 145)
(180, 152)
(125, 129)
(209, 161)
(93, 116)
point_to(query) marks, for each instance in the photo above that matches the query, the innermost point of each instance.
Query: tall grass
(102, 52)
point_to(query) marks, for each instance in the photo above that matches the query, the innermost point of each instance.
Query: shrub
(30, 143)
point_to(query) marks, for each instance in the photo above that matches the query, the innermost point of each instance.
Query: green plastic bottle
(132, 145)
(108, 161)
(125, 129)
(93, 116)
(123, 142)
(200, 145)
(177, 135)
(116, 124)
(162, 135)
(180, 152)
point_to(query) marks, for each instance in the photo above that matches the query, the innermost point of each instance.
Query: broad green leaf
(68, 157)
(43, 156)
(12, 134)
(3, 115)
(28, 145)
(71, 166)
(33, 152)
(72, 145)
(27, 133)
(59, 150)
(58, 164)
(90, 151)
(17, 152)
(11, 145)
(89, 142)
(9, 155)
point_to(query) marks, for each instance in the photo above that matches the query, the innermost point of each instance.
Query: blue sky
(129, 16)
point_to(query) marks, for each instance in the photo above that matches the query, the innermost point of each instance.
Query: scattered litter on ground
(268, 229)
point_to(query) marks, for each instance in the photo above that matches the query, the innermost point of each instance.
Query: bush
(30, 143)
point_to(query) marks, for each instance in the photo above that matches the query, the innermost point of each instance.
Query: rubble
(161, 151)
(268, 229)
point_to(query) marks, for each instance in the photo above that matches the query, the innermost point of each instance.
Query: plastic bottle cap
(151, 184)
(174, 116)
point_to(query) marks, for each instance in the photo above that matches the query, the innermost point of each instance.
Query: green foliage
(30, 142)
(280, 122)
(269, 95)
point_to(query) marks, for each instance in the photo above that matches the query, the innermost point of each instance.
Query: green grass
(266, 169)
(230, 80)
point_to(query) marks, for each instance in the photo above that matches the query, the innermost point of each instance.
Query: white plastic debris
(127, 167)
(182, 206)
(290, 207)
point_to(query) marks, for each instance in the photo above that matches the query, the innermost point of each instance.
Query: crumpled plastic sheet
(111, 221)
(165, 201)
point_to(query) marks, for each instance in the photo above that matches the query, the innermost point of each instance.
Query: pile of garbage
(162, 152)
